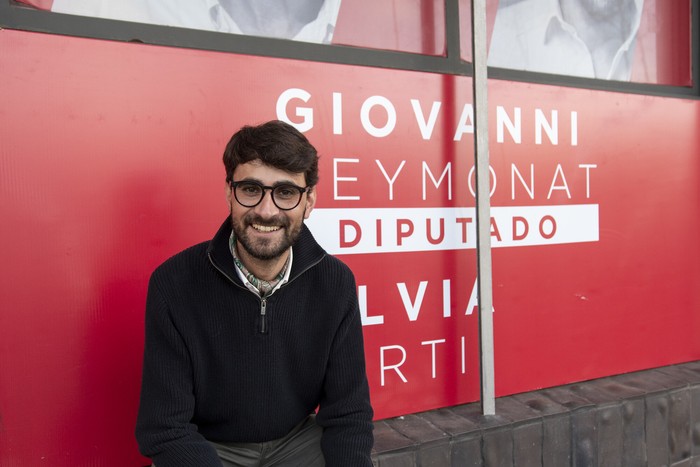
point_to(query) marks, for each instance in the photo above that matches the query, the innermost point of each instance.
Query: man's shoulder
(333, 267)
(187, 259)
(335, 262)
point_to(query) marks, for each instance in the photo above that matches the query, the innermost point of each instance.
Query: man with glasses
(254, 352)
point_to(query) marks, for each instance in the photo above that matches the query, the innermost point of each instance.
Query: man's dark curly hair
(274, 143)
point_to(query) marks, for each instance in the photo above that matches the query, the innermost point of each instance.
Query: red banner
(111, 162)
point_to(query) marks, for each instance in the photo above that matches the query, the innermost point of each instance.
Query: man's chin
(265, 251)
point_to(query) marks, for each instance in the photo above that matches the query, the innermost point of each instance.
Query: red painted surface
(110, 163)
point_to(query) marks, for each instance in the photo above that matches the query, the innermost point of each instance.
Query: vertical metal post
(483, 207)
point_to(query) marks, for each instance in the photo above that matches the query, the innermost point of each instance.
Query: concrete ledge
(646, 418)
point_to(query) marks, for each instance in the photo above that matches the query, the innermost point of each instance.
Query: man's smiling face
(265, 232)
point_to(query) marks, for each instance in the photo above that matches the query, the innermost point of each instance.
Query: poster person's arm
(164, 430)
(345, 412)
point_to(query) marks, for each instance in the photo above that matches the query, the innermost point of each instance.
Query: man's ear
(310, 202)
(229, 194)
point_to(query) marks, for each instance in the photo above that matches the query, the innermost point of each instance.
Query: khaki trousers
(300, 447)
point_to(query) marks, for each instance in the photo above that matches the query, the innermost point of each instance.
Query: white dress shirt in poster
(209, 15)
(532, 35)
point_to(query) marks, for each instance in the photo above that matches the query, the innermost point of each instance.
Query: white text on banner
(391, 230)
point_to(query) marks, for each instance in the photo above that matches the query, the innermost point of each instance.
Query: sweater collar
(307, 252)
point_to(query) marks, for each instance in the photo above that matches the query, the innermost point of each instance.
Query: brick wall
(647, 418)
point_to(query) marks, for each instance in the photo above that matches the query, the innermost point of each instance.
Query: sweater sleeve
(345, 412)
(164, 430)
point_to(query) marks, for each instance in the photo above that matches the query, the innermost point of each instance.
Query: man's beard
(265, 250)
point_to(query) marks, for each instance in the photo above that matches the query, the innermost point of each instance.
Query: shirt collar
(556, 23)
(249, 285)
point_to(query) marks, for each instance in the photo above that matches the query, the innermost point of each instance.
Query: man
(249, 333)
(586, 38)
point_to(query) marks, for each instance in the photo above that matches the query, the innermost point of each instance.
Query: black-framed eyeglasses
(250, 193)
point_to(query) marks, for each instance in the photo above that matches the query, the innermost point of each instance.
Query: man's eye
(250, 189)
(285, 192)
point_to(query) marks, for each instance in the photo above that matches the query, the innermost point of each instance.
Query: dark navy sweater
(217, 368)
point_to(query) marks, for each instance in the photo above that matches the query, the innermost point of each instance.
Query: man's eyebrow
(277, 183)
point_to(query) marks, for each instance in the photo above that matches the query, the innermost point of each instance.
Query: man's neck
(266, 270)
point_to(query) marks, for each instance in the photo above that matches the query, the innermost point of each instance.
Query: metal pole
(483, 206)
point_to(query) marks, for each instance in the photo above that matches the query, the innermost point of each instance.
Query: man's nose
(267, 206)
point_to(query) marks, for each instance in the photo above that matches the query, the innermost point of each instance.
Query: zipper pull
(263, 313)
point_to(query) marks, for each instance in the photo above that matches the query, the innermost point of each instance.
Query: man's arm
(163, 429)
(345, 412)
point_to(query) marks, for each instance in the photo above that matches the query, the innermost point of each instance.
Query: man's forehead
(257, 170)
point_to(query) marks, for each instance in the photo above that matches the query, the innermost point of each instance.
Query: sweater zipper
(263, 301)
(263, 316)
